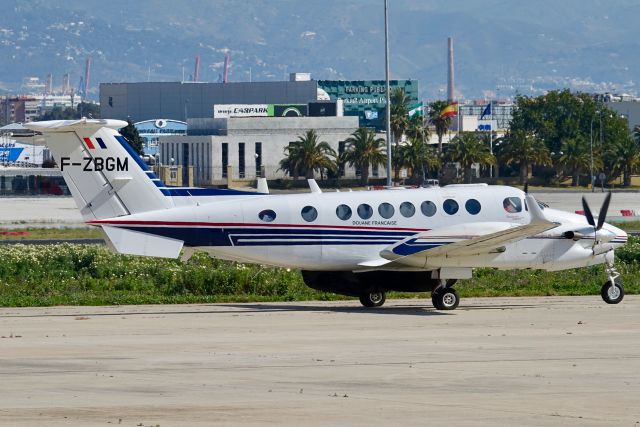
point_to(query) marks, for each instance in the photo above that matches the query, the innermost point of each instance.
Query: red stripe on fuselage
(231, 224)
(89, 143)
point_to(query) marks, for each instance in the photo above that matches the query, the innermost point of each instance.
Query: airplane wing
(467, 239)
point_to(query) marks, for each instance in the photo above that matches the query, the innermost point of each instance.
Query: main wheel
(612, 294)
(373, 299)
(445, 299)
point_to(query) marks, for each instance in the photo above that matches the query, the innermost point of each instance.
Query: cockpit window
(512, 204)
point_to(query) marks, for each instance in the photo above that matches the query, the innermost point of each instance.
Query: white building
(252, 146)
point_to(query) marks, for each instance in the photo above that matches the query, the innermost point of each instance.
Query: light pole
(388, 109)
(591, 152)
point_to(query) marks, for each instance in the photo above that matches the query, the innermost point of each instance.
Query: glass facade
(32, 182)
(367, 98)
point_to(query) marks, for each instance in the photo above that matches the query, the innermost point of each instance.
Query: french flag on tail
(91, 146)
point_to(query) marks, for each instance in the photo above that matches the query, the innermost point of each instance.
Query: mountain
(501, 46)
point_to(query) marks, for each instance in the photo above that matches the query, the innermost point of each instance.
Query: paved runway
(502, 361)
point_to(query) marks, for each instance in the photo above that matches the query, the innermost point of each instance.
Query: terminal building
(365, 99)
(240, 149)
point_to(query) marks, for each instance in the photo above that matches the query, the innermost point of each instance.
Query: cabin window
(386, 210)
(450, 206)
(267, 215)
(473, 206)
(309, 213)
(428, 208)
(343, 212)
(512, 204)
(407, 209)
(365, 211)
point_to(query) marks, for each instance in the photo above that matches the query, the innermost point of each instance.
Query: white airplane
(361, 243)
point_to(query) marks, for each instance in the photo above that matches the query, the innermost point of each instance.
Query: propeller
(601, 216)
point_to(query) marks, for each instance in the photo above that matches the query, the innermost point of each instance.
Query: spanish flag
(450, 110)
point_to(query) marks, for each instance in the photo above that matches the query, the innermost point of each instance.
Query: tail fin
(105, 176)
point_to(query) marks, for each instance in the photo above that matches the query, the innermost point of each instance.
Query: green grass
(50, 233)
(67, 274)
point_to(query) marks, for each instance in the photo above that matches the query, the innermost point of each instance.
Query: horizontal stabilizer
(137, 243)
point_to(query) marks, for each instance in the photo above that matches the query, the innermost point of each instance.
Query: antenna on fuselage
(313, 186)
(262, 186)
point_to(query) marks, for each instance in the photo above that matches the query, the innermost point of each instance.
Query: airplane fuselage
(343, 231)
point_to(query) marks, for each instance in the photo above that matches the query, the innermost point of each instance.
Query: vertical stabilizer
(105, 176)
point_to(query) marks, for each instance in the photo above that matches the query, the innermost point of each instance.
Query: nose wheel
(612, 291)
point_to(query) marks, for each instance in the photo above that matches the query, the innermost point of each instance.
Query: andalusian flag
(450, 110)
(416, 110)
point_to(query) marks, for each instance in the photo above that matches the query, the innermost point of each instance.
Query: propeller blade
(603, 211)
(587, 212)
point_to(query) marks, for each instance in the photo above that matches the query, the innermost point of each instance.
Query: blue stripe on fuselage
(225, 236)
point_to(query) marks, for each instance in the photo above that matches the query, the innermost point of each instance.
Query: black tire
(612, 294)
(445, 299)
(373, 299)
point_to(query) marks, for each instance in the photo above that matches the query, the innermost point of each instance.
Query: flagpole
(491, 136)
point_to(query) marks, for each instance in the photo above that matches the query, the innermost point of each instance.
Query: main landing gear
(373, 299)
(612, 291)
(444, 297)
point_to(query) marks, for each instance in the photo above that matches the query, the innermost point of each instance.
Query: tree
(362, 150)
(306, 155)
(524, 149)
(418, 156)
(467, 149)
(624, 157)
(399, 113)
(440, 122)
(83, 109)
(575, 157)
(132, 136)
(399, 124)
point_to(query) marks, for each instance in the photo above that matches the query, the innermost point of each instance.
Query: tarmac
(553, 361)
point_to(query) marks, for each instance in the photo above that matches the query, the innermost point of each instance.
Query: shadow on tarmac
(246, 308)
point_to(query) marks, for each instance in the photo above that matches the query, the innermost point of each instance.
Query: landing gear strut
(612, 291)
(373, 299)
(444, 297)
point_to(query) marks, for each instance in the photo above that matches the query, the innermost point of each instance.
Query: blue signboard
(151, 130)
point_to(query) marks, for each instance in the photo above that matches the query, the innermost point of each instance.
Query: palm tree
(363, 149)
(399, 124)
(467, 149)
(399, 113)
(418, 156)
(575, 157)
(438, 121)
(624, 157)
(417, 128)
(306, 155)
(525, 150)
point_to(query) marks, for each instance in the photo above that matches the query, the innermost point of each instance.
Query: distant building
(628, 109)
(252, 147)
(185, 100)
(26, 108)
(501, 115)
(180, 101)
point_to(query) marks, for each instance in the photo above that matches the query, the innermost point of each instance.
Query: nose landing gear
(612, 291)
